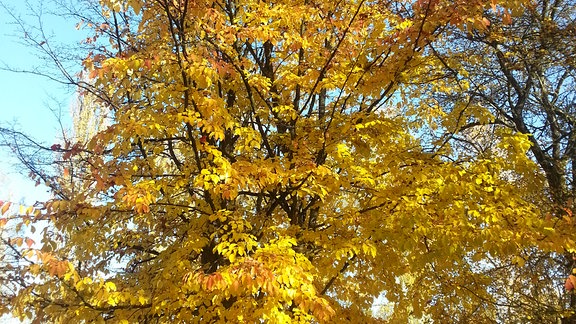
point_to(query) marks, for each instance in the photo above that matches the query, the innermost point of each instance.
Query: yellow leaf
(110, 286)
(142, 300)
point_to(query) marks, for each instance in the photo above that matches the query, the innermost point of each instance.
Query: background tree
(517, 74)
(262, 162)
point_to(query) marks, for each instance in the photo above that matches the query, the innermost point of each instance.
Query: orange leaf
(506, 19)
(570, 283)
(5, 208)
(209, 282)
(148, 64)
(17, 241)
(57, 268)
(93, 74)
(29, 242)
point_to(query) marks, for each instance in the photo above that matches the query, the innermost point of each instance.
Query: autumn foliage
(266, 161)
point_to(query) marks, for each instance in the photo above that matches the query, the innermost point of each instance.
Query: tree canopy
(306, 161)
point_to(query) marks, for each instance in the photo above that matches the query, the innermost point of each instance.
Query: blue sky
(27, 99)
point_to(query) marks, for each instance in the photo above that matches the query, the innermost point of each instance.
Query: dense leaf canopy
(290, 161)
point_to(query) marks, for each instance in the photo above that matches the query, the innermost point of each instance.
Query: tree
(260, 165)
